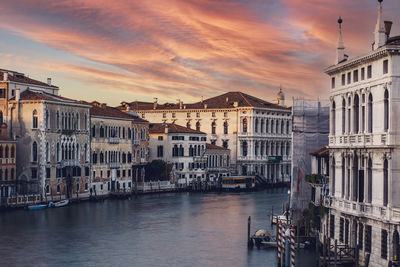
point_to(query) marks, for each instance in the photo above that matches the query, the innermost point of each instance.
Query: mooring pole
(335, 252)
(324, 251)
(249, 241)
(317, 248)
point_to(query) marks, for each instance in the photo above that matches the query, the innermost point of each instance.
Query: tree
(158, 170)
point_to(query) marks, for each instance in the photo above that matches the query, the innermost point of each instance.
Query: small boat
(37, 207)
(264, 238)
(61, 203)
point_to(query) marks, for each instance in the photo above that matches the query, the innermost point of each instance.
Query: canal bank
(173, 229)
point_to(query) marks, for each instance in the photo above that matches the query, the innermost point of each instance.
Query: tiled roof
(323, 151)
(158, 128)
(395, 40)
(102, 110)
(227, 100)
(211, 146)
(33, 95)
(21, 78)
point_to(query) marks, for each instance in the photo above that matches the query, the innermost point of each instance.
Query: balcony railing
(113, 140)
(114, 165)
(136, 142)
(69, 162)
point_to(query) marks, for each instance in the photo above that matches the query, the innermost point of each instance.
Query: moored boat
(37, 207)
(58, 204)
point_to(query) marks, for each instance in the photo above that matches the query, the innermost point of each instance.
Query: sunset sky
(124, 50)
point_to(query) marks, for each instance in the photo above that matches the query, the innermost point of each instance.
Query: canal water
(174, 229)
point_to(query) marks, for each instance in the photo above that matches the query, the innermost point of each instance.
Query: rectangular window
(355, 76)
(34, 173)
(87, 171)
(160, 138)
(368, 238)
(2, 93)
(341, 230)
(385, 66)
(173, 115)
(48, 173)
(346, 231)
(160, 151)
(164, 115)
(369, 72)
(332, 227)
(362, 74)
(360, 235)
(384, 236)
(333, 83)
(343, 79)
(188, 115)
(349, 78)
(123, 173)
(198, 115)
(213, 114)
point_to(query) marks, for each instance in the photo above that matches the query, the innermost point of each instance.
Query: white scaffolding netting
(310, 132)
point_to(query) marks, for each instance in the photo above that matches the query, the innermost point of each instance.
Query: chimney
(205, 106)
(388, 28)
(17, 94)
(180, 104)
(128, 108)
(155, 103)
(202, 99)
(49, 81)
(178, 101)
(3, 130)
(166, 129)
(235, 104)
(103, 105)
(227, 99)
(5, 76)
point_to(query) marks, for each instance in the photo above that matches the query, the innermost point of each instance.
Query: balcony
(113, 140)
(114, 165)
(362, 139)
(136, 142)
(70, 163)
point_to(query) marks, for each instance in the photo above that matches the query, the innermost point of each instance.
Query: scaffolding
(310, 132)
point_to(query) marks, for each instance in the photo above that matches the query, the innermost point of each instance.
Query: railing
(69, 162)
(20, 200)
(7, 161)
(383, 138)
(136, 142)
(113, 140)
(114, 165)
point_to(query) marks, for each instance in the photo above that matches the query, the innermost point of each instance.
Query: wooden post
(329, 251)
(335, 253)
(317, 248)
(324, 251)
(272, 215)
(249, 241)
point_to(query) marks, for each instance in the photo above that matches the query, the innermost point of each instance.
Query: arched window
(58, 152)
(369, 173)
(47, 119)
(343, 116)
(277, 126)
(6, 174)
(244, 123)
(6, 152)
(94, 131)
(188, 125)
(58, 120)
(1, 117)
(282, 127)
(198, 126)
(86, 150)
(12, 152)
(34, 152)
(58, 189)
(12, 174)
(267, 126)
(244, 148)
(225, 127)
(47, 152)
(256, 125)
(34, 119)
(385, 183)
(370, 113)
(386, 110)
(86, 122)
(213, 127)
(333, 118)
(262, 126)
(356, 114)
(349, 104)
(287, 127)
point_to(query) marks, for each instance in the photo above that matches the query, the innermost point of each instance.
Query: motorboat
(37, 207)
(59, 204)
(264, 238)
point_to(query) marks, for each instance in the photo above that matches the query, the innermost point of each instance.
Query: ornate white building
(364, 147)
(257, 132)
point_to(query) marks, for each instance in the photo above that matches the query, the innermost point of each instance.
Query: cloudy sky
(120, 50)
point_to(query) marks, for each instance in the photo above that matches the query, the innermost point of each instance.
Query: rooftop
(102, 110)
(158, 128)
(211, 146)
(21, 78)
(34, 95)
(227, 100)
(323, 151)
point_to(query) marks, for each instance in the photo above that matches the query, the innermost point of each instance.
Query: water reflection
(155, 230)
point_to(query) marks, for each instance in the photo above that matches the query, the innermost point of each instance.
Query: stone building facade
(8, 181)
(182, 147)
(218, 162)
(364, 148)
(119, 143)
(257, 132)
